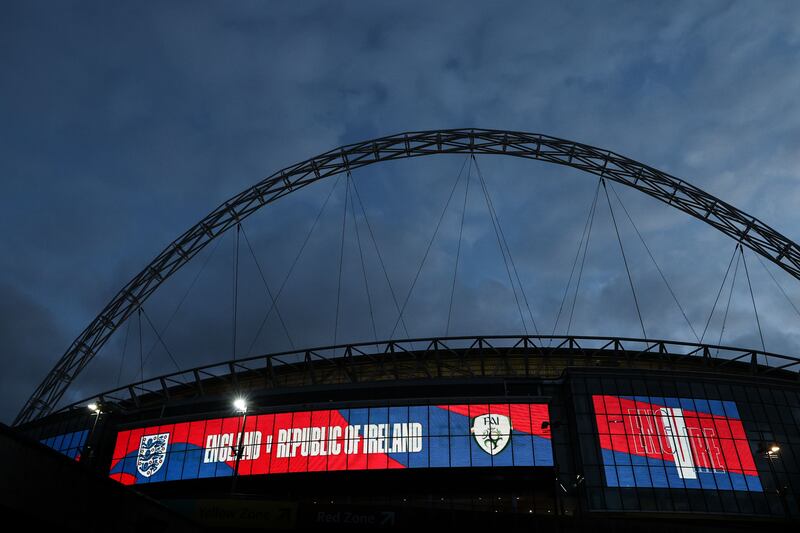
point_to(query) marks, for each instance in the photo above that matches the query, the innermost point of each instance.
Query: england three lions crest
(152, 452)
(492, 432)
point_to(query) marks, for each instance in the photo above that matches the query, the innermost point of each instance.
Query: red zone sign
(397, 437)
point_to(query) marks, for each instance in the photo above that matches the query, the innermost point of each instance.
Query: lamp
(240, 405)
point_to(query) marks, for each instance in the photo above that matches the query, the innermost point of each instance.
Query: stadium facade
(507, 431)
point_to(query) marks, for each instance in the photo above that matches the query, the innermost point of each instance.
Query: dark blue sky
(122, 124)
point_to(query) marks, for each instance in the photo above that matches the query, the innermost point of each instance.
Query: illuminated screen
(374, 438)
(674, 443)
(70, 444)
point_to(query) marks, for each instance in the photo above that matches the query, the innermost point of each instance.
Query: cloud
(123, 126)
(32, 340)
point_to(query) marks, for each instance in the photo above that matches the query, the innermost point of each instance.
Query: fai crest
(152, 452)
(492, 432)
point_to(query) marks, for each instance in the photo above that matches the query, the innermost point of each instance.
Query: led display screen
(70, 444)
(420, 436)
(674, 443)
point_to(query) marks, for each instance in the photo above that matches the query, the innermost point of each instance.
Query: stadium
(558, 432)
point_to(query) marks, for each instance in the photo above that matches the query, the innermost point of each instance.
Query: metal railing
(443, 357)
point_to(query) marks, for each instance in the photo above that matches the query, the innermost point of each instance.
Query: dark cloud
(32, 340)
(121, 126)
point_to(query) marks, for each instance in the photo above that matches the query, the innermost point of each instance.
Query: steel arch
(746, 229)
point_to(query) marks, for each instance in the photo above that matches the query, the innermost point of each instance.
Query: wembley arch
(738, 225)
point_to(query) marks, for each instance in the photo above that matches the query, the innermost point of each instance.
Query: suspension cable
(380, 257)
(577, 255)
(294, 263)
(728, 305)
(273, 302)
(183, 299)
(652, 258)
(363, 264)
(428, 249)
(780, 287)
(124, 350)
(147, 317)
(341, 261)
(501, 240)
(503, 254)
(458, 251)
(236, 286)
(583, 259)
(753, 299)
(719, 292)
(624, 259)
(141, 359)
